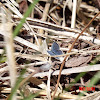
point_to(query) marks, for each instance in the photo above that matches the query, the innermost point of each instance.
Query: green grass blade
(13, 91)
(16, 31)
(77, 78)
(95, 79)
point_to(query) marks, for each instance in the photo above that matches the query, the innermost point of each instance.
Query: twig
(26, 43)
(14, 3)
(42, 23)
(31, 57)
(46, 10)
(43, 93)
(27, 78)
(74, 14)
(71, 70)
(69, 52)
(64, 71)
(64, 23)
(48, 85)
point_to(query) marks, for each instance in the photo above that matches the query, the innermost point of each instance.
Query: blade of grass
(96, 60)
(94, 80)
(77, 78)
(13, 91)
(24, 18)
(2, 57)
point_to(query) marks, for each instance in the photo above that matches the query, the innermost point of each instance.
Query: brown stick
(69, 52)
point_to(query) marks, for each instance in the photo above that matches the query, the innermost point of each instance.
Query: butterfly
(55, 50)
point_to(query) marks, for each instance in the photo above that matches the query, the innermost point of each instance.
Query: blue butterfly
(55, 50)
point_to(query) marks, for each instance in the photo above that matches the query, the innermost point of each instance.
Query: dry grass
(29, 33)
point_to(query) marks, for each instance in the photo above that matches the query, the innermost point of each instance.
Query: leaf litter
(47, 53)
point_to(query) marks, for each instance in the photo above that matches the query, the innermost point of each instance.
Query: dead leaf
(23, 6)
(77, 61)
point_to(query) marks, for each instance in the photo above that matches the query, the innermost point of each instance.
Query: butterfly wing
(58, 52)
(52, 54)
(56, 49)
